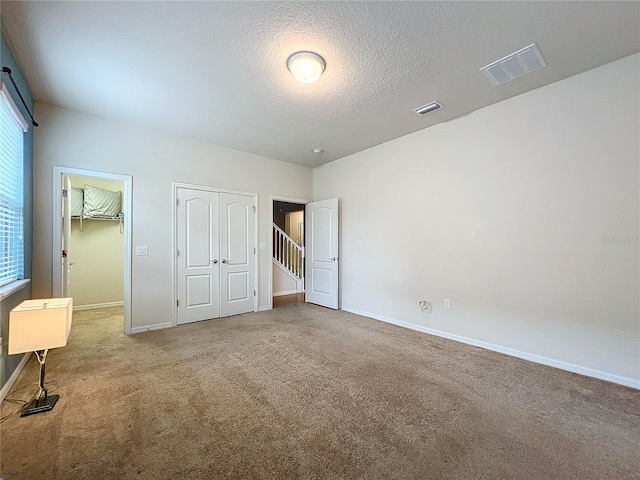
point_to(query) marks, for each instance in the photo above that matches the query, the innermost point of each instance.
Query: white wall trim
(264, 308)
(288, 292)
(270, 246)
(97, 305)
(14, 376)
(208, 188)
(127, 208)
(4, 91)
(550, 362)
(13, 287)
(148, 328)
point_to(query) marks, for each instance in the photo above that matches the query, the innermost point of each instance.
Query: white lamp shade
(39, 325)
(306, 67)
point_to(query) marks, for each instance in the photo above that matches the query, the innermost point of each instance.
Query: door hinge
(177, 202)
(65, 193)
(254, 209)
(177, 253)
(254, 293)
(254, 250)
(177, 303)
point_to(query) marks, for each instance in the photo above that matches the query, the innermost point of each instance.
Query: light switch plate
(142, 250)
(447, 303)
(263, 245)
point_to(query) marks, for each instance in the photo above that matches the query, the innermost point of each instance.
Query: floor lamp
(37, 326)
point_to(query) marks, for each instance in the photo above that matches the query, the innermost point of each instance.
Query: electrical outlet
(447, 303)
(142, 250)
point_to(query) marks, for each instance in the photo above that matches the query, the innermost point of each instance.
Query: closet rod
(7, 70)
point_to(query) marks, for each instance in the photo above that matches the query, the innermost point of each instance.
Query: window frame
(6, 97)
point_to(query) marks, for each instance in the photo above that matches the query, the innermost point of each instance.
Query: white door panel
(198, 262)
(321, 279)
(321, 247)
(201, 234)
(322, 253)
(236, 247)
(199, 290)
(237, 286)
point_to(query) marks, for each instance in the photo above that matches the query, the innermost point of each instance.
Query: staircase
(288, 264)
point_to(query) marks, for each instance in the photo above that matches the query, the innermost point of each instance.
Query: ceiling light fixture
(306, 67)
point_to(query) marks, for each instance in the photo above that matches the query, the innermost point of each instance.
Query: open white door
(236, 249)
(66, 233)
(198, 265)
(322, 253)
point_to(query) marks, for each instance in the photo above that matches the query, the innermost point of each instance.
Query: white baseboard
(532, 357)
(97, 305)
(264, 308)
(148, 328)
(286, 292)
(14, 376)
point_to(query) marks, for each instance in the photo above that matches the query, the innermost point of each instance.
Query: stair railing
(288, 252)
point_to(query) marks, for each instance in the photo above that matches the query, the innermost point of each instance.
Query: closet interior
(96, 245)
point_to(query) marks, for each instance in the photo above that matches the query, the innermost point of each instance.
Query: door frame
(127, 209)
(278, 198)
(174, 241)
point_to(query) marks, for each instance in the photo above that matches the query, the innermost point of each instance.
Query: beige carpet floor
(304, 392)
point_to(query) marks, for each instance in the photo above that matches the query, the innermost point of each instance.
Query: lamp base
(39, 405)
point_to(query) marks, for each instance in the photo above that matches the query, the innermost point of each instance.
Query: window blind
(12, 128)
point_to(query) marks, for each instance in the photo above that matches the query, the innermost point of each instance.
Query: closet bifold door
(198, 266)
(236, 251)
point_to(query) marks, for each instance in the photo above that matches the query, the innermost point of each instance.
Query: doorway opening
(95, 249)
(92, 241)
(287, 252)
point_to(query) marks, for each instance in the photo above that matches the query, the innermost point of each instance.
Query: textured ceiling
(216, 71)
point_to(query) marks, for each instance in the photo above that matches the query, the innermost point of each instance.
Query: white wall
(283, 284)
(509, 212)
(97, 253)
(154, 160)
(292, 221)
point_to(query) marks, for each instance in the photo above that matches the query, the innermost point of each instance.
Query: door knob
(72, 263)
(333, 259)
(224, 260)
(214, 261)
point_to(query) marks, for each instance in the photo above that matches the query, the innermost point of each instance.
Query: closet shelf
(103, 218)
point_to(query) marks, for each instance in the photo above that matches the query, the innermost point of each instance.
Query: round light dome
(306, 67)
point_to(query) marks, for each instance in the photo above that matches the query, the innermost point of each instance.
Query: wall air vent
(515, 65)
(428, 108)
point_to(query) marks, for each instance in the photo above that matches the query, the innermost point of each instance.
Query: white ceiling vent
(428, 108)
(515, 65)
